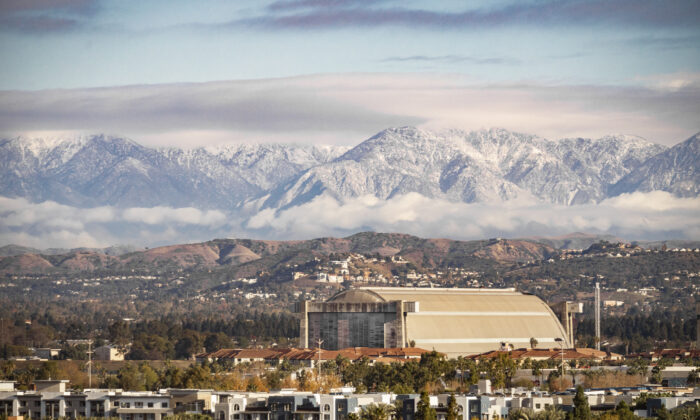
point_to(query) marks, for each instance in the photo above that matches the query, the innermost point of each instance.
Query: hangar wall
(453, 321)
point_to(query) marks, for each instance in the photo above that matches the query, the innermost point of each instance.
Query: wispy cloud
(75, 6)
(45, 17)
(665, 43)
(322, 4)
(310, 14)
(346, 109)
(289, 106)
(454, 59)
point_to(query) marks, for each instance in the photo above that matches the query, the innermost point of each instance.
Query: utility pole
(561, 343)
(90, 363)
(597, 316)
(319, 364)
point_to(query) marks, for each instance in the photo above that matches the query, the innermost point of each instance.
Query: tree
(663, 414)
(216, 341)
(129, 378)
(624, 412)
(452, 410)
(656, 370)
(638, 367)
(188, 345)
(425, 411)
(397, 410)
(582, 411)
(375, 412)
(149, 376)
(551, 413)
(521, 414)
(7, 367)
(533, 342)
(49, 370)
(119, 333)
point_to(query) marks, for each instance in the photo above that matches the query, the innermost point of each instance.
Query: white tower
(597, 316)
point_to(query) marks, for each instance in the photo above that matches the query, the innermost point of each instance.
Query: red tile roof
(353, 353)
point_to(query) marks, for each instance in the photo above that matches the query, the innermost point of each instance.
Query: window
(37, 403)
(164, 404)
(236, 416)
(538, 406)
(236, 407)
(125, 404)
(326, 407)
(326, 417)
(150, 405)
(138, 404)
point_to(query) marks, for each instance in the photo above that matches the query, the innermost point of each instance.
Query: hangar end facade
(452, 321)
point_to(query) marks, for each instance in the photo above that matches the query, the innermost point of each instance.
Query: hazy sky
(551, 68)
(193, 73)
(81, 43)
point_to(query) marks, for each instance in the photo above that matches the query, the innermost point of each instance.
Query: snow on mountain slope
(469, 166)
(455, 165)
(103, 170)
(676, 170)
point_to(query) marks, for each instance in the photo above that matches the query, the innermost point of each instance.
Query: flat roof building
(452, 321)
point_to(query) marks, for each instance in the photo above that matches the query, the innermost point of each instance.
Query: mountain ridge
(263, 254)
(454, 165)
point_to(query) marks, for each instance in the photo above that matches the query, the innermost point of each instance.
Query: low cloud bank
(651, 216)
(347, 108)
(53, 225)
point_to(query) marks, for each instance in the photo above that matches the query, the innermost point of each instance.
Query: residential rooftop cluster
(54, 399)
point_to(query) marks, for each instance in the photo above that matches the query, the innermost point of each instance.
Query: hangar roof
(466, 321)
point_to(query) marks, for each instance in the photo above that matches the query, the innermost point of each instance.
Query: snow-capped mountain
(454, 165)
(676, 170)
(103, 170)
(470, 167)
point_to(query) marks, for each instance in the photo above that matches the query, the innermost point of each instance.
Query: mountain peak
(449, 164)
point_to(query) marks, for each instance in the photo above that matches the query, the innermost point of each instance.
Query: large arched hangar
(452, 321)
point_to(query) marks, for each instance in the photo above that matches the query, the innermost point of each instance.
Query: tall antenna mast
(597, 316)
(319, 364)
(90, 363)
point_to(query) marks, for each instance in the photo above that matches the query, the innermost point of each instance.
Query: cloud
(346, 109)
(654, 215)
(161, 215)
(676, 82)
(665, 43)
(326, 4)
(266, 106)
(454, 58)
(639, 216)
(310, 14)
(49, 224)
(45, 17)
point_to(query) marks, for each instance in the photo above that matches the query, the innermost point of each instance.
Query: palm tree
(375, 412)
(521, 414)
(550, 413)
(533, 342)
